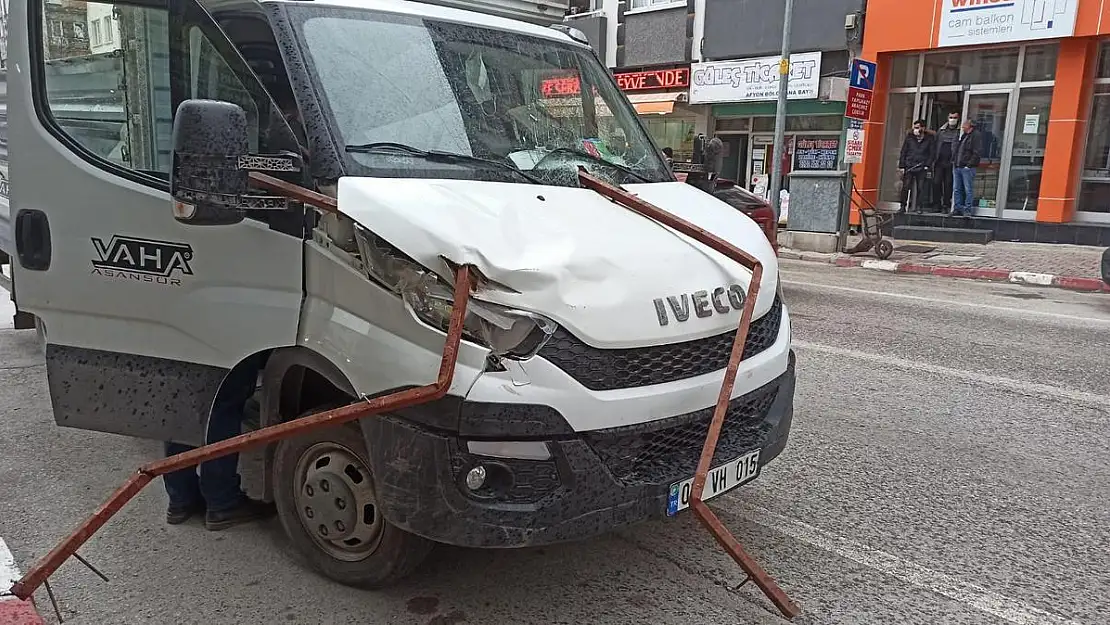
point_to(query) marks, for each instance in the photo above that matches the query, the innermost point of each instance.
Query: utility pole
(780, 111)
(843, 222)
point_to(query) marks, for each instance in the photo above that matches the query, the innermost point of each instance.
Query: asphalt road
(948, 464)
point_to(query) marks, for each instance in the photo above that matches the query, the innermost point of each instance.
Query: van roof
(435, 10)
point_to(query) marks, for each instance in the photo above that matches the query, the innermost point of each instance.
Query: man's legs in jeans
(962, 196)
(218, 488)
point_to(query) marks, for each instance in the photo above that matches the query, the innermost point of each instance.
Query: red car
(759, 209)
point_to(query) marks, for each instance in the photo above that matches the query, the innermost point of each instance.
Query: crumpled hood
(593, 266)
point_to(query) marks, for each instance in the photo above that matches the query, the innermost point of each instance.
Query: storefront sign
(853, 147)
(981, 22)
(659, 79)
(859, 104)
(753, 80)
(557, 86)
(668, 79)
(816, 154)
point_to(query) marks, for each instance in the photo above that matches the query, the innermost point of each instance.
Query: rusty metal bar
(707, 517)
(319, 200)
(45, 567)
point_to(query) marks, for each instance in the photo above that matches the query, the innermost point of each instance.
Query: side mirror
(212, 164)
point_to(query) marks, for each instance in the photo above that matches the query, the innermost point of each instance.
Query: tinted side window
(211, 78)
(111, 99)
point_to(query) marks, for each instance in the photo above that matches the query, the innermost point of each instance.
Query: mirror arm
(295, 192)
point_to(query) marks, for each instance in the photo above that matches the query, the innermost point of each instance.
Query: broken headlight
(508, 332)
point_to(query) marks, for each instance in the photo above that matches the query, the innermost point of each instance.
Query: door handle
(32, 239)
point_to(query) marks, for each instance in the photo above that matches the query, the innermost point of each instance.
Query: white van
(596, 342)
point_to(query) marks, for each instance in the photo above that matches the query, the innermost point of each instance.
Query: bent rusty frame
(464, 283)
(45, 567)
(707, 517)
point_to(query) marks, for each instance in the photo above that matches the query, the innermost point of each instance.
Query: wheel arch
(294, 380)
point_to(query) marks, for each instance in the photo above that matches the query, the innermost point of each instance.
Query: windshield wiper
(436, 156)
(598, 159)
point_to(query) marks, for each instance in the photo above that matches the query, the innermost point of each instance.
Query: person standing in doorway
(948, 137)
(968, 154)
(914, 163)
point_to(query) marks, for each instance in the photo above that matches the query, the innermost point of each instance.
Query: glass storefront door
(1027, 160)
(989, 109)
(936, 105)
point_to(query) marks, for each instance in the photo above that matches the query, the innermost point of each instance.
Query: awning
(656, 103)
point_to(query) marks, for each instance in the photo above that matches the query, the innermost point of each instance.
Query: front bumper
(595, 481)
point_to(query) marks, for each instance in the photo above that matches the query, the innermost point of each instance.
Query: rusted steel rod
(707, 517)
(319, 200)
(45, 567)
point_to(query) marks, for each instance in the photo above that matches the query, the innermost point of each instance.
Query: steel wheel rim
(335, 502)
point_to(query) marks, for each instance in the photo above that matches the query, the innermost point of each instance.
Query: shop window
(904, 70)
(1104, 61)
(115, 106)
(1040, 63)
(801, 123)
(734, 124)
(898, 122)
(970, 68)
(1030, 137)
(675, 133)
(1095, 192)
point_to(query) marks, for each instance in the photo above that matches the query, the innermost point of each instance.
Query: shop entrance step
(943, 235)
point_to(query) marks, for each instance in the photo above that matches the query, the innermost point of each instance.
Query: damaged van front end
(595, 349)
(596, 340)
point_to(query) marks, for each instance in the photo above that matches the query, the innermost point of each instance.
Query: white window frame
(647, 6)
(1091, 216)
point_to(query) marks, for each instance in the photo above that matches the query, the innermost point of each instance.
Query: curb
(1072, 283)
(14, 611)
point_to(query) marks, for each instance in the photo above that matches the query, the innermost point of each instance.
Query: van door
(143, 315)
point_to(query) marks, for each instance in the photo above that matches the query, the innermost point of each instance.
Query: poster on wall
(853, 147)
(754, 80)
(816, 153)
(981, 22)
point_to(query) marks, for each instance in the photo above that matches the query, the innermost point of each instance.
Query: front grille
(662, 452)
(609, 369)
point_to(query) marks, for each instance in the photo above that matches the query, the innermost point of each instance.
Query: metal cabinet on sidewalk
(817, 199)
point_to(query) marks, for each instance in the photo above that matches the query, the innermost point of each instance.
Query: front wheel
(327, 505)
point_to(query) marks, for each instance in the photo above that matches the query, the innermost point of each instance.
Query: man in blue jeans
(217, 492)
(968, 150)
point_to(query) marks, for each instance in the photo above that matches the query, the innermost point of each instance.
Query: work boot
(248, 510)
(176, 515)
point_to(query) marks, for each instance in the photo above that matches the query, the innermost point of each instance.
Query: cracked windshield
(512, 100)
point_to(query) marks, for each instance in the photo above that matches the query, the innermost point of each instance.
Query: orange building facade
(1034, 74)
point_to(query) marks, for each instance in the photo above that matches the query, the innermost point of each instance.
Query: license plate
(720, 479)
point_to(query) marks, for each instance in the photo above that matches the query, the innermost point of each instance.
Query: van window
(112, 100)
(211, 78)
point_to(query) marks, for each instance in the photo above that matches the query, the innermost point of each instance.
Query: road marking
(881, 265)
(955, 588)
(9, 572)
(1020, 387)
(1026, 277)
(948, 302)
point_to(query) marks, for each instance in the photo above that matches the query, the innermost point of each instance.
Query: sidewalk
(1073, 267)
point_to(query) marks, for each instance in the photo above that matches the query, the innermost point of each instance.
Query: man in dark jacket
(947, 138)
(968, 153)
(919, 151)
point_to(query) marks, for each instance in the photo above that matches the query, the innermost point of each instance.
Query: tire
(884, 249)
(383, 553)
